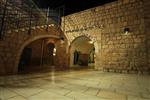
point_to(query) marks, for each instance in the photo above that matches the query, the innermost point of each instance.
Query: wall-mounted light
(90, 42)
(126, 31)
(61, 39)
(54, 52)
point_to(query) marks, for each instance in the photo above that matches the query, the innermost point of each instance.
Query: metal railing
(17, 14)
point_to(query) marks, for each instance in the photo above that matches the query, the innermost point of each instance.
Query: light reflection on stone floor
(75, 85)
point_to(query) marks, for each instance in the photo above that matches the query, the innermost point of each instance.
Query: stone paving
(75, 85)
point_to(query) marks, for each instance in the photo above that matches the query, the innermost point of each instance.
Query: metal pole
(42, 52)
(47, 19)
(64, 17)
(59, 16)
(63, 28)
(30, 21)
(64, 20)
(3, 20)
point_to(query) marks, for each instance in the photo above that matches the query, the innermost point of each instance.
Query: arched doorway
(48, 54)
(37, 56)
(82, 53)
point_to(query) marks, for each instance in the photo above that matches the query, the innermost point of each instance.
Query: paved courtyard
(75, 85)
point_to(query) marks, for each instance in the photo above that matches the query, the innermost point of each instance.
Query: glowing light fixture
(54, 52)
(90, 42)
(61, 39)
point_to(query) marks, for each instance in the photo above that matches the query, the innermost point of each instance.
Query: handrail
(23, 17)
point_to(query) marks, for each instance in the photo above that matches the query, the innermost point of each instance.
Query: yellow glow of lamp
(91, 42)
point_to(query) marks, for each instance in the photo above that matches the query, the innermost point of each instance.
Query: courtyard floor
(75, 85)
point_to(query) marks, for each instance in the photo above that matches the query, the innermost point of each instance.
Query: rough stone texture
(117, 51)
(147, 26)
(13, 44)
(17, 35)
(41, 55)
(104, 25)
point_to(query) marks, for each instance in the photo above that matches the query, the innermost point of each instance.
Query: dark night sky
(71, 6)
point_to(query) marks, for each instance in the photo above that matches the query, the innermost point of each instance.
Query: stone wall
(117, 51)
(104, 25)
(147, 26)
(41, 56)
(61, 58)
(13, 43)
(23, 25)
(36, 52)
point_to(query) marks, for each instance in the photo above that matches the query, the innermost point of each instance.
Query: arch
(95, 45)
(78, 38)
(87, 36)
(27, 42)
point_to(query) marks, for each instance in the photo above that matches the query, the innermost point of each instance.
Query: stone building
(118, 33)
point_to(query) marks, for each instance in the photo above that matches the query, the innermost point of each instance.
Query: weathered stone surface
(119, 51)
(13, 47)
(115, 50)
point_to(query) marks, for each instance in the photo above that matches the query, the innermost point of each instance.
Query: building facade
(119, 32)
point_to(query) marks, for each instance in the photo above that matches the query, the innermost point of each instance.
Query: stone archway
(16, 41)
(73, 36)
(27, 42)
(90, 38)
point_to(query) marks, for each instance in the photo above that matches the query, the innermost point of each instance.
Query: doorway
(82, 53)
(48, 56)
(37, 56)
(25, 58)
